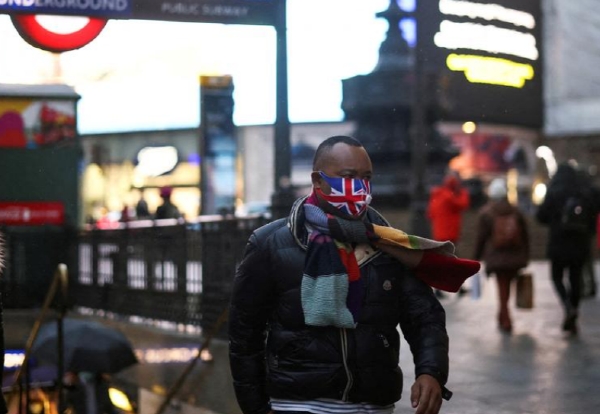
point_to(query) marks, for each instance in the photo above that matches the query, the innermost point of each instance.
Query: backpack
(575, 215)
(506, 232)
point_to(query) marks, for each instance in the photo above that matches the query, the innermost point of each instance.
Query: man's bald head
(326, 146)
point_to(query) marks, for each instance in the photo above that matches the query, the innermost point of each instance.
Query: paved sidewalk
(537, 369)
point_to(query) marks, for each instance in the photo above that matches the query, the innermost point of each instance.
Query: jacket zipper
(344, 340)
(386, 343)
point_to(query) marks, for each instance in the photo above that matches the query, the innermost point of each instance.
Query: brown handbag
(524, 296)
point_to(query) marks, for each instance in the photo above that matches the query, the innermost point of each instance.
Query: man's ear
(316, 179)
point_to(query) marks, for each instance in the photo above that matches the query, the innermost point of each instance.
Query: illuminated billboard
(488, 56)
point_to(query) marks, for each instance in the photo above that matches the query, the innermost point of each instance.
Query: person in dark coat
(506, 253)
(141, 208)
(167, 209)
(568, 245)
(313, 322)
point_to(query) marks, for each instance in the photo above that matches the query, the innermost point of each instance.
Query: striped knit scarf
(332, 289)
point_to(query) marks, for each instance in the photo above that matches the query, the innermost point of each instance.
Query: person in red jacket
(447, 203)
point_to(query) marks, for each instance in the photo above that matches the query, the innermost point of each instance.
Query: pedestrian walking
(141, 208)
(569, 210)
(503, 244)
(447, 204)
(167, 209)
(316, 302)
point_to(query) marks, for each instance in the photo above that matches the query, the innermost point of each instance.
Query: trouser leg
(575, 280)
(557, 271)
(503, 280)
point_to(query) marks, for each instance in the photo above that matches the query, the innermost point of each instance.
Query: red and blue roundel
(41, 37)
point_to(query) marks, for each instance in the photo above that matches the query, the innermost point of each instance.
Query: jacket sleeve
(248, 314)
(423, 324)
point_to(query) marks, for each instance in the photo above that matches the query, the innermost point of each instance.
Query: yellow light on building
(469, 127)
(493, 71)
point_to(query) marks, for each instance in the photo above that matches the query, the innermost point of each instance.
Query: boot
(504, 322)
(570, 321)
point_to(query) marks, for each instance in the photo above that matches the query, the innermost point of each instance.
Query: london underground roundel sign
(40, 36)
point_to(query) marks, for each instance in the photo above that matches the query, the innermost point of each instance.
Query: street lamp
(418, 136)
(283, 197)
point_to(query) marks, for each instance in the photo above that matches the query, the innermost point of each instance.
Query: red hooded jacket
(447, 203)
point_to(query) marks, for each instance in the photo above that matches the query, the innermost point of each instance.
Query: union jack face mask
(351, 196)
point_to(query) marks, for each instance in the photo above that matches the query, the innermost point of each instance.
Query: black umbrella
(87, 346)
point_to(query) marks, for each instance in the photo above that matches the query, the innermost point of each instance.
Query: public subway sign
(488, 56)
(100, 8)
(25, 16)
(255, 12)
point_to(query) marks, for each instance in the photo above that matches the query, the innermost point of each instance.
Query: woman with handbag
(503, 244)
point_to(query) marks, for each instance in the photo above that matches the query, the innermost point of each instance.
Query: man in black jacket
(570, 209)
(313, 320)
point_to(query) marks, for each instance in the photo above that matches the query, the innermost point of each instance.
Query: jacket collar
(296, 221)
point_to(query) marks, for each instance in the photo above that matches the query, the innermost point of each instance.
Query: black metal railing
(164, 270)
(31, 256)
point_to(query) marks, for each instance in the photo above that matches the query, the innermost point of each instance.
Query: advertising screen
(488, 58)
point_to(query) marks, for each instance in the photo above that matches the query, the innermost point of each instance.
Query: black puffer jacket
(305, 362)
